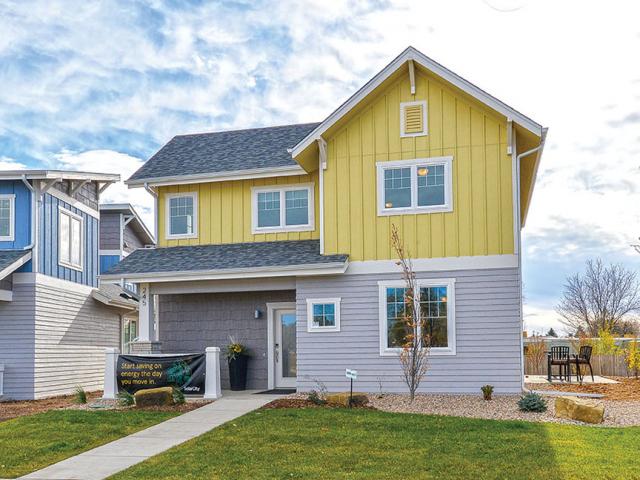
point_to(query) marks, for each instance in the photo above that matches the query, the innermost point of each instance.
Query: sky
(101, 86)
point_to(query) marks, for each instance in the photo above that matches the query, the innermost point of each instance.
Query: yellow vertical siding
(481, 222)
(224, 211)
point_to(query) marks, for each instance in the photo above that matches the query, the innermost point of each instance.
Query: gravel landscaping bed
(502, 407)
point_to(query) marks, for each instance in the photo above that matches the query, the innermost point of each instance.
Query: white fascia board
(412, 54)
(543, 140)
(287, 170)
(336, 268)
(59, 174)
(111, 302)
(15, 265)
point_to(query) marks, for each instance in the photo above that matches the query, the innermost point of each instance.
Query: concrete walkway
(101, 462)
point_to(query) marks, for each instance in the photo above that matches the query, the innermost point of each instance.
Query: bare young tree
(601, 299)
(414, 357)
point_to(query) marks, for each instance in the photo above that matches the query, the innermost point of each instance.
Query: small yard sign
(352, 374)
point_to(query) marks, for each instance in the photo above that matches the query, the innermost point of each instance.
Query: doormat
(278, 391)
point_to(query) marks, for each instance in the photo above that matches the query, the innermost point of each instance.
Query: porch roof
(236, 260)
(11, 260)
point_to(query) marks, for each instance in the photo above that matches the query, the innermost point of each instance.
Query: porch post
(110, 384)
(212, 388)
(147, 341)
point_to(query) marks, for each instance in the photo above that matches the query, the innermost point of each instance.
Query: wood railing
(606, 365)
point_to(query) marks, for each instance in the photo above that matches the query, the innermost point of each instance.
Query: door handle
(277, 351)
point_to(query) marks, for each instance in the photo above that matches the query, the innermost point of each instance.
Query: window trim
(308, 227)
(425, 130)
(167, 228)
(12, 217)
(414, 208)
(315, 301)
(79, 267)
(451, 314)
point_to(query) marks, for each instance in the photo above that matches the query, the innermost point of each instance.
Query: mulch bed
(627, 389)
(292, 402)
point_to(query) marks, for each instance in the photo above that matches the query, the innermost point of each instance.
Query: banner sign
(138, 372)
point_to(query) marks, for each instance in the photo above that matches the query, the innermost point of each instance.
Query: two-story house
(280, 237)
(54, 319)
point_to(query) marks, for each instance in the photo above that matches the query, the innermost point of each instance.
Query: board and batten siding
(17, 342)
(224, 211)
(482, 220)
(488, 335)
(22, 217)
(71, 332)
(48, 244)
(110, 231)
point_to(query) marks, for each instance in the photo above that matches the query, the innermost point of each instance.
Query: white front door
(285, 348)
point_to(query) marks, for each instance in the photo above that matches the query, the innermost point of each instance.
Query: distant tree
(552, 333)
(603, 298)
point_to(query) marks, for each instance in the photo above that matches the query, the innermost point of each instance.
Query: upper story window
(436, 305)
(423, 185)
(413, 119)
(70, 231)
(7, 217)
(282, 209)
(182, 215)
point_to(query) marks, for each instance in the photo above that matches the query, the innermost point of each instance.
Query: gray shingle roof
(8, 257)
(217, 152)
(224, 257)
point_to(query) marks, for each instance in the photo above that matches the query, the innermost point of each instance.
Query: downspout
(154, 194)
(519, 246)
(34, 214)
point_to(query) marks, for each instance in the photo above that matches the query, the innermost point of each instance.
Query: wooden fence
(606, 365)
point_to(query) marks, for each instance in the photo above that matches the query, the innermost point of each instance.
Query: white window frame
(311, 328)
(309, 187)
(12, 217)
(168, 235)
(425, 130)
(414, 208)
(451, 314)
(69, 264)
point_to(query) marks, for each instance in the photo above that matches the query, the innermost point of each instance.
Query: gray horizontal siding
(131, 239)
(488, 331)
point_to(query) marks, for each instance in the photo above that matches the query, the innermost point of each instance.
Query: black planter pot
(238, 372)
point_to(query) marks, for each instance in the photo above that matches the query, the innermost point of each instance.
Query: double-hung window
(182, 215)
(7, 217)
(422, 185)
(282, 209)
(323, 314)
(435, 306)
(70, 239)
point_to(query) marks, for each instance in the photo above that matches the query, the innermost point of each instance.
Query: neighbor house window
(7, 217)
(182, 214)
(436, 310)
(323, 314)
(70, 232)
(282, 209)
(415, 186)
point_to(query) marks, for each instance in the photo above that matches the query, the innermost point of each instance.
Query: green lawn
(365, 444)
(35, 441)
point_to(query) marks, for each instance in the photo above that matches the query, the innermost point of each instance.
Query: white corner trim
(434, 264)
(73, 202)
(6, 296)
(46, 280)
(271, 362)
(425, 125)
(451, 315)
(310, 226)
(72, 216)
(315, 301)
(167, 225)
(415, 208)
(15, 265)
(12, 216)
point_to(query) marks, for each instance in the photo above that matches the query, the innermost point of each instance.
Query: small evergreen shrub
(125, 399)
(81, 395)
(316, 398)
(178, 396)
(532, 402)
(487, 390)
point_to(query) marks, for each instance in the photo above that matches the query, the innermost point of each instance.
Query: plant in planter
(237, 357)
(487, 390)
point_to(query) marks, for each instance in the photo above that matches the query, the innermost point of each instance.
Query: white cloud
(7, 163)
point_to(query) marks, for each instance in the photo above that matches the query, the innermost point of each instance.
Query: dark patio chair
(559, 356)
(583, 358)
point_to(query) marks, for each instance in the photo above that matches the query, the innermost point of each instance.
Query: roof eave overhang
(112, 303)
(58, 174)
(412, 54)
(15, 265)
(543, 139)
(334, 268)
(287, 170)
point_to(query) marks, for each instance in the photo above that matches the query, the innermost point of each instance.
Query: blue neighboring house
(55, 319)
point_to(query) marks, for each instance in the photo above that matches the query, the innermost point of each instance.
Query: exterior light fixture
(257, 314)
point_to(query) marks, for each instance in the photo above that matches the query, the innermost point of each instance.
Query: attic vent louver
(413, 119)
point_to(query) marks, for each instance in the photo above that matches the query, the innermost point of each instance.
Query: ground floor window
(436, 308)
(323, 314)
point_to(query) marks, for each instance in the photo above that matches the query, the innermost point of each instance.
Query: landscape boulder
(342, 399)
(154, 397)
(581, 409)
